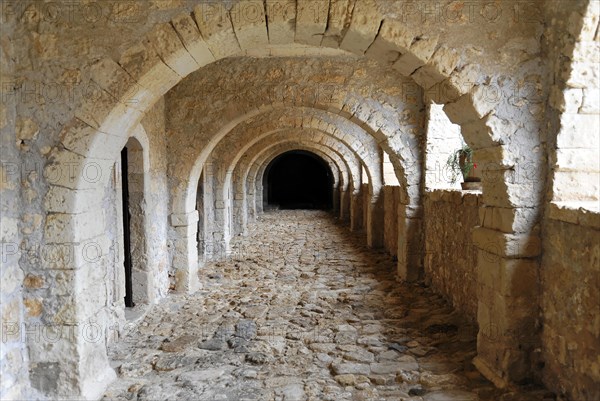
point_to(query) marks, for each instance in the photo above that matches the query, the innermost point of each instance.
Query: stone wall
(14, 356)
(79, 87)
(570, 268)
(450, 255)
(572, 40)
(570, 281)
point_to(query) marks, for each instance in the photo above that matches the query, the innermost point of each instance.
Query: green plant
(460, 162)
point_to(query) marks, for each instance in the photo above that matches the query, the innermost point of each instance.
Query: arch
(224, 170)
(311, 185)
(233, 147)
(249, 180)
(255, 169)
(365, 147)
(244, 207)
(269, 155)
(354, 168)
(173, 50)
(247, 189)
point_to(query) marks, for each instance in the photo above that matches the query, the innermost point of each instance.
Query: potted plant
(461, 162)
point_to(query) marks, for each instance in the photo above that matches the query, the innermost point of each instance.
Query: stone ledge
(580, 213)
(525, 245)
(457, 196)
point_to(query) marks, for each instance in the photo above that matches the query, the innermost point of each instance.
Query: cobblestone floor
(303, 311)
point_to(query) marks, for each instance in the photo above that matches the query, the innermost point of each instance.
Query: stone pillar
(258, 196)
(356, 208)
(336, 200)
(220, 232)
(185, 258)
(508, 240)
(390, 211)
(375, 220)
(344, 206)
(68, 357)
(250, 203)
(508, 295)
(410, 247)
(240, 214)
(365, 206)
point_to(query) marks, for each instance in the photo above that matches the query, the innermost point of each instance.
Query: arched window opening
(389, 174)
(449, 162)
(298, 180)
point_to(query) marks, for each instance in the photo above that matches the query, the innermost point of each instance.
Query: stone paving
(303, 310)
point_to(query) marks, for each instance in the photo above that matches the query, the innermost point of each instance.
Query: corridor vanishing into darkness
(298, 180)
(318, 200)
(296, 314)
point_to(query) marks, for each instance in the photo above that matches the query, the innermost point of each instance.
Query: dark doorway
(298, 180)
(126, 229)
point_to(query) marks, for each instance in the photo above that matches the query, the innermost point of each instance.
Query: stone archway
(102, 127)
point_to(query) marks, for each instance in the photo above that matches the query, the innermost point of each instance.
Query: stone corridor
(301, 309)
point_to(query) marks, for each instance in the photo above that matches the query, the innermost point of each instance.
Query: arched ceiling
(357, 100)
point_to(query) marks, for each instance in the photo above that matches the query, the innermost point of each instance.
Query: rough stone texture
(391, 199)
(156, 203)
(570, 278)
(14, 361)
(450, 254)
(78, 78)
(574, 114)
(303, 321)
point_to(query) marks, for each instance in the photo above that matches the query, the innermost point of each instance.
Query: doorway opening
(137, 278)
(298, 180)
(127, 262)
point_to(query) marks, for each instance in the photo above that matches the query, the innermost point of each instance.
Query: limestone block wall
(450, 254)
(14, 357)
(573, 41)
(570, 303)
(109, 76)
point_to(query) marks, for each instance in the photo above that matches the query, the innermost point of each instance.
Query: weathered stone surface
(192, 40)
(216, 29)
(78, 79)
(451, 262)
(366, 21)
(249, 23)
(311, 20)
(179, 344)
(281, 16)
(568, 297)
(362, 347)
